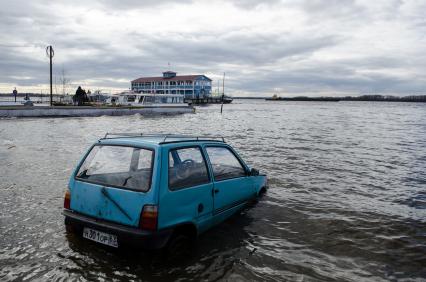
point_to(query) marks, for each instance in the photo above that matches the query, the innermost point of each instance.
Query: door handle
(216, 191)
(200, 208)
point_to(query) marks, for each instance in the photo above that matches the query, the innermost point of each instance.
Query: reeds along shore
(389, 98)
(375, 98)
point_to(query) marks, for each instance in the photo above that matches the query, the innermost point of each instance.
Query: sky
(283, 47)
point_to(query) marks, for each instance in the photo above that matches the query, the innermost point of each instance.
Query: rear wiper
(83, 173)
(125, 180)
(108, 196)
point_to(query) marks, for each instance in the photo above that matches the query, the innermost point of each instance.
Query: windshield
(118, 166)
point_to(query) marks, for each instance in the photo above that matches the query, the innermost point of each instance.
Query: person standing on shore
(79, 97)
(15, 93)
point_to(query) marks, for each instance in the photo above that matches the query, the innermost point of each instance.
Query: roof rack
(121, 135)
(166, 136)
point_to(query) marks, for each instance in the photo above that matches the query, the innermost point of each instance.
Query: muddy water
(347, 198)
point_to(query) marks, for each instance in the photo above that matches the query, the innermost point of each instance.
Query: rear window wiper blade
(83, 174)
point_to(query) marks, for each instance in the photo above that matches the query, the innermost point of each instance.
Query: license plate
(100, 237)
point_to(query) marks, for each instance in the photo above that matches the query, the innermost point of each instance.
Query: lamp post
(50, 53)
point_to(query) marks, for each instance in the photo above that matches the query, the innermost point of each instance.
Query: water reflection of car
(157, 191)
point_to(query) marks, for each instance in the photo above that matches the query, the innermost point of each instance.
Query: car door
(232, 185)
(186, 195)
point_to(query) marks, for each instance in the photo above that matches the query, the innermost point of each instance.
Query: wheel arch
(262, 191)
(187, 228)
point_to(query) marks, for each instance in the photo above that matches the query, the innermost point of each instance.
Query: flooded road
(347, 197)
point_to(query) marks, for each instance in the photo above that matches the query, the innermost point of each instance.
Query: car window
(187, 168)
(224, 163)
(145, 159)
(118, 166)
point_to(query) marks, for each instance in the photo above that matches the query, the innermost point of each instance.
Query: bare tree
(56, 84)
(64, 81)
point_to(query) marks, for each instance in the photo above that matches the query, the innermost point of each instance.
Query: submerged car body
(146, 190)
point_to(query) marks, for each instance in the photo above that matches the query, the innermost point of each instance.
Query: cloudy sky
(289, 47)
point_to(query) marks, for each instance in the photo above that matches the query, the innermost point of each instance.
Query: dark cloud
(239, 48)
(137, 4)
(336, 77)
(14, 67)
(331, 8)
(249, 4)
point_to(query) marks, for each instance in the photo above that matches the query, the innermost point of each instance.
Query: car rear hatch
(113, 183)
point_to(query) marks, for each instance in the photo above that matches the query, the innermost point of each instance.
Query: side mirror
(254, 172)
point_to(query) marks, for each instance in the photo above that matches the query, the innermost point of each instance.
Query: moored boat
(135, 99)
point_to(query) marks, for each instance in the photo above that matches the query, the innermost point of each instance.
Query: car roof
(154, 140)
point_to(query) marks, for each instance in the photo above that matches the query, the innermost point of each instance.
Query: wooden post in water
(223, 92)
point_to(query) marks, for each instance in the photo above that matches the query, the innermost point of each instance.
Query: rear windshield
(118, 166)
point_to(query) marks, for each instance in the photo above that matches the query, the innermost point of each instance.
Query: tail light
(149, 218)
(67, 200)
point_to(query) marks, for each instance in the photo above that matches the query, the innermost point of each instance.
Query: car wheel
(179, 247)
(262, 192)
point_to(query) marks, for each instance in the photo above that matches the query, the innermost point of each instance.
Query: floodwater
(347, 197)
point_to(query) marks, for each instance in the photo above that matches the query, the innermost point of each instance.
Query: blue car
(156, 191)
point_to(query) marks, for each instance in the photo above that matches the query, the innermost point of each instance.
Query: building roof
(175, 78)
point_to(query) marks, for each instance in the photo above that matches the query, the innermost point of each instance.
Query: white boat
(146, 99)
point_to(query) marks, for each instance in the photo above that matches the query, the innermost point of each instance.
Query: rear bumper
(127, 236)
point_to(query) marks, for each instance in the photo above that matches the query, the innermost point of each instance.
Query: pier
(87, 111)
(209, 100)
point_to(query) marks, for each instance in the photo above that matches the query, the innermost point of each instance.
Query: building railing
(171, 87)
(163, 85)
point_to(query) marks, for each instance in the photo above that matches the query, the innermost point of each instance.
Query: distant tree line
(376, 98)
(386, 98)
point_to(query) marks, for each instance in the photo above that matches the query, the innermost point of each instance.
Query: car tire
(262, 192)
(179, 247)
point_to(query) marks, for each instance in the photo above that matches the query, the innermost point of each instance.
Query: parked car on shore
(157, 191)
